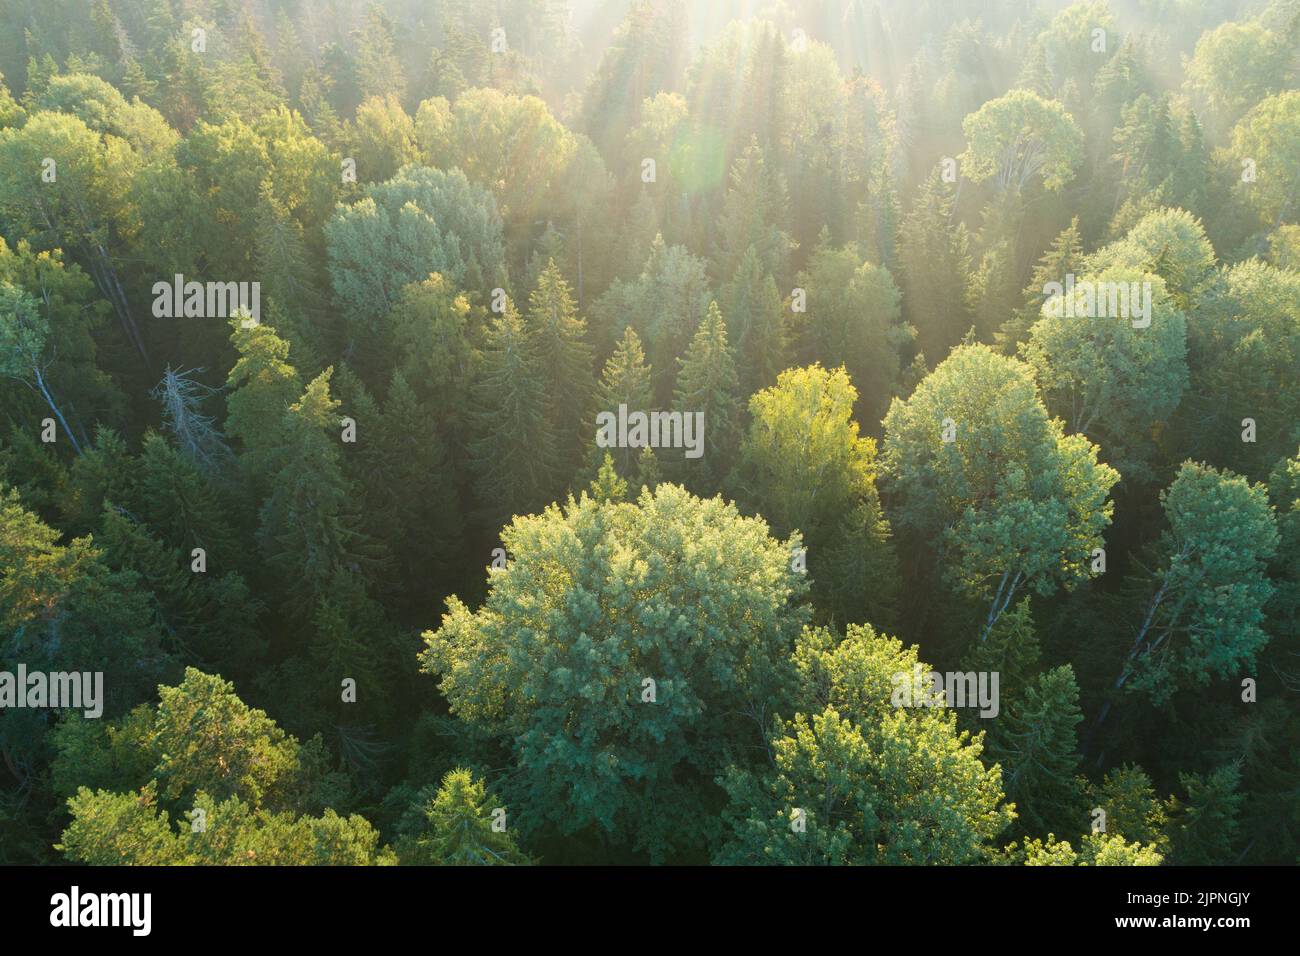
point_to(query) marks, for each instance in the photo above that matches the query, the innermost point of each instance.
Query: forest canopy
(509, 432)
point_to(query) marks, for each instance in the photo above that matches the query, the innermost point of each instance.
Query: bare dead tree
(196, 434)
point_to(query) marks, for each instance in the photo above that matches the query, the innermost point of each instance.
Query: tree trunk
(111, 287)
(40, 383)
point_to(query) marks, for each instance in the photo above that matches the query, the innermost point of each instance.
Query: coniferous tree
(993, 289)
(754, 216)
(557, 337)
(308, 531)
(1062, 258)
(707, 384)
(262, 384)
(434, 332)
(379, 71)
(410, 498)
(626, 380)
(195, 433)
(513, 451)
(841, 787)
(853, 320)
(1035, 742)
(715, 662)
(115, 828)
(757, 321)
(212, 617)
(1205, 828)
(935, 258)
(461, 829)
(782, 225)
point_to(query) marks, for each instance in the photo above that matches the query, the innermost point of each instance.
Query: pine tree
(595, 593)
(867, 774)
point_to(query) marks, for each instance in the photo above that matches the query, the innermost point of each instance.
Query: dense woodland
(362, 584)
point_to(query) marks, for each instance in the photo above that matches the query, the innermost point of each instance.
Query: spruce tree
(411, 500)
(558, 340)
(1063, 257)
(262, 385)
(184, 508)
(993, 286)
(756, 315)
(513, 446)
(607, 485)
(460, 828)
(1035, 741)
(754, 215)
(1205, 827)
(934, 252)
(211, 618)
(308, 533)
(707, 383)
(626, 380)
